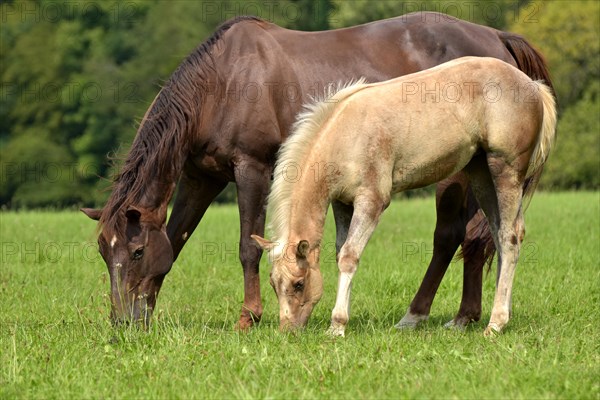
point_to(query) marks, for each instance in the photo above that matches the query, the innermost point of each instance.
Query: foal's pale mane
(296, 149)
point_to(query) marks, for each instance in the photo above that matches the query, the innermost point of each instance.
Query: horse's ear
(133, 214)
(264, 243)
(93, 213)
(302, 250)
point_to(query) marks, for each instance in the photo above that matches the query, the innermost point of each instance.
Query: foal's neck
(310, 201)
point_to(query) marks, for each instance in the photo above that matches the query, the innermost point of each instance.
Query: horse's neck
(151, 186)
(159, 193)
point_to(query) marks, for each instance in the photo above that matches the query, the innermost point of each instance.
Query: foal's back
(427, 126)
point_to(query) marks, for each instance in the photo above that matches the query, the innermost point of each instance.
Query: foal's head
(138, 255)
(296, 279)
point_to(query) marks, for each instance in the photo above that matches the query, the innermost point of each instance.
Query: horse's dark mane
(160, 145)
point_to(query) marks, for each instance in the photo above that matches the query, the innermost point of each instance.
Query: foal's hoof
(492, 330)
(336, 331)
(410, 321)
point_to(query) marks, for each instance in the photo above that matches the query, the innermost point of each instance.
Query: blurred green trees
(568, 34)
(76, 76)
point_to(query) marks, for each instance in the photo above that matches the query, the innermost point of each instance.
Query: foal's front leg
(367, 211)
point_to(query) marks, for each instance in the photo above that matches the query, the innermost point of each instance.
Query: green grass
(56, 341)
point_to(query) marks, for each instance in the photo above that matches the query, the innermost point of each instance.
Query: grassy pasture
(56, 341)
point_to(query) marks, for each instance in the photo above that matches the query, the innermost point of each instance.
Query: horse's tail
(545, 139)
(528, 59)
(532, 63)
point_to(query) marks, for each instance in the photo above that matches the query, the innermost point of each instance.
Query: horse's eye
(138, 253)
(299, 286)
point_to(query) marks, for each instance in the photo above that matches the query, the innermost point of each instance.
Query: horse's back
(264, 73)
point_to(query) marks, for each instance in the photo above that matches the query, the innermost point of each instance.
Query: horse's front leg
(252, 179)
(342, 213)
(365, 217)
(193, 197)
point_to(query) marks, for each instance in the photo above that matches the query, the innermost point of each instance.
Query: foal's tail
(532, 63)
(545, 138)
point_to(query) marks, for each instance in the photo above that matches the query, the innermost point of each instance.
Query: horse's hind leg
(474, 257)
(449, 233)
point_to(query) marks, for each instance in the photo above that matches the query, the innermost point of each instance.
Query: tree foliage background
(77, 75)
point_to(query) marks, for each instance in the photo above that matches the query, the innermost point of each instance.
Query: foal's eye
(138, 253)
(298, 286)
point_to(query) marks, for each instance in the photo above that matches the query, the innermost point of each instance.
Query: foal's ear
(93, 213)
(302, 250)
(264, 243)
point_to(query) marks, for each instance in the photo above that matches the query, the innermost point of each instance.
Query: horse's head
(138, 255)
(296, 279)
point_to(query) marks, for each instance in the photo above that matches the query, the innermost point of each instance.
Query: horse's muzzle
(138, 312)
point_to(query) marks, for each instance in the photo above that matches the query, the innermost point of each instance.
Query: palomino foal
(485, 117)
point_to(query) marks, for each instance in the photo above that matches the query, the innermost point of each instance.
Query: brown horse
(385, 137)
(224, 113)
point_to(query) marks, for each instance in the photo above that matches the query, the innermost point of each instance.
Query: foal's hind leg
(508, 181)
(499, 192)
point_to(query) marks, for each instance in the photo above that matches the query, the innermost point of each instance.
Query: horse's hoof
(410, 321)
(408, 325)
(245, 324)
(459, 323)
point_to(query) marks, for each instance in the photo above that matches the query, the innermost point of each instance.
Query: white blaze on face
(184, 236)
(113, 241)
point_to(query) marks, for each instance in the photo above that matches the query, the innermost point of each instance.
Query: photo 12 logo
(70, 92)
(50, 172)
(269, 10)
(48, 252)
(55, 11)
